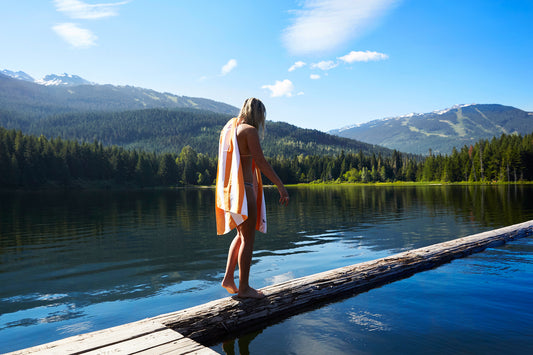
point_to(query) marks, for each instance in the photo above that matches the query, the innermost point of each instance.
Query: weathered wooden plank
(146, 343)
(97, 339)
(214, 320)
(143, 337)
(181, 346)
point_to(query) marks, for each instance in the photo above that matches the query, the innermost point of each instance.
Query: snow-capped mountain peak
(436, 112)
(49, 80)
(378, 121)
(63, 80)
(442, 112)
(20, 75)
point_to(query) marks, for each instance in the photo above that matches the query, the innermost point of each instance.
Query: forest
(28, 161)
(169, 131)
(508, 158)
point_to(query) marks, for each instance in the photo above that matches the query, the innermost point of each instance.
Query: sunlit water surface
(74, 262)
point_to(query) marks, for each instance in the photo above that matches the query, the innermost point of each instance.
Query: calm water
(74, 262)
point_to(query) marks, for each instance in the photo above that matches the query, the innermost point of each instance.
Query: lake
(77, 261)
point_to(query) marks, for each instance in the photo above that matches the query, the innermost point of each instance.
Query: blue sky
(320, 64)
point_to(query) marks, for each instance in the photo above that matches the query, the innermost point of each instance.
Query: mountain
(144, 119)
(36, 101)
(20, 75)
(441, 130)
(51, 79)
(63, 80)
(169, 130)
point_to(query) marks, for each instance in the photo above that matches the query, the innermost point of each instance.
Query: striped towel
(231, 205)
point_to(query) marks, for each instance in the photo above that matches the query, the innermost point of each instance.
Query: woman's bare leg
(233, 256)
(247, 234)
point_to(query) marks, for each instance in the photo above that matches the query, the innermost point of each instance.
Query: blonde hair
(253, 112)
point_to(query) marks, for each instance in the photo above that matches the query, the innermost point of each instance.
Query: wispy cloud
(81, 10)
(360, 56)
(280, 88)
(80, 37)
(298, 64)
(353, 56)
(323, 25)
(324, 65)
(229, 66)
(76, 36)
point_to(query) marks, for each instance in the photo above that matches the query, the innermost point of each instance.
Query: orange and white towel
(231, 202)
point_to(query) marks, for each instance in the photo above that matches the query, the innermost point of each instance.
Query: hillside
(143, 119)
(442, 130)
(32, 101)
(165, 130)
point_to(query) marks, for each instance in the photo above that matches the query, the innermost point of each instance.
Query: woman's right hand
(283, 196)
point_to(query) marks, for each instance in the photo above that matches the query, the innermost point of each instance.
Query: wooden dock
(142, 337)
(182, 332)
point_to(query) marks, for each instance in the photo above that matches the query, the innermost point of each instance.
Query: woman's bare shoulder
(245, 128)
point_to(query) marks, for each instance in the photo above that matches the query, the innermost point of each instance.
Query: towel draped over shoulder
(231, 202)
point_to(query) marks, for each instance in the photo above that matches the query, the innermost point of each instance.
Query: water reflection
(399, 218)
(101, 247)
(243, 344)
(82, 255)
(482, 304)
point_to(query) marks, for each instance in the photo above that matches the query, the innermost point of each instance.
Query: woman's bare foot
(250, 293)
(230, 286)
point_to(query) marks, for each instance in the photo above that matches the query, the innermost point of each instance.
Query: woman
(240, 200)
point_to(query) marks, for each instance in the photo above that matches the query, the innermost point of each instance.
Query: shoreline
(114, 187)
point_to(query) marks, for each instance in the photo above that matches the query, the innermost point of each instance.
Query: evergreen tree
(168, 172)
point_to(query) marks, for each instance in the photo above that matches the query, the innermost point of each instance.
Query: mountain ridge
(137, 118)
(20, 75)
(63, 80)
(39, 100)
(441, 130)
(50, 79)
(23, 102)
(408, 115)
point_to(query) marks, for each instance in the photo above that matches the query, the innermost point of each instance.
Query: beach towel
(231, 202)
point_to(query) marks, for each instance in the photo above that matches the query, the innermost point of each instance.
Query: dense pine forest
(508, 158)
(170, 130)
(28, 161)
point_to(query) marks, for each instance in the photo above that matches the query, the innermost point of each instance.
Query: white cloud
(229, 66)
(314, 76)
(323, 25)
(276, 279)
(324, 65)
(298, 64)
(360, 56)
(280, 88)
(76, 36)
(81, 10)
